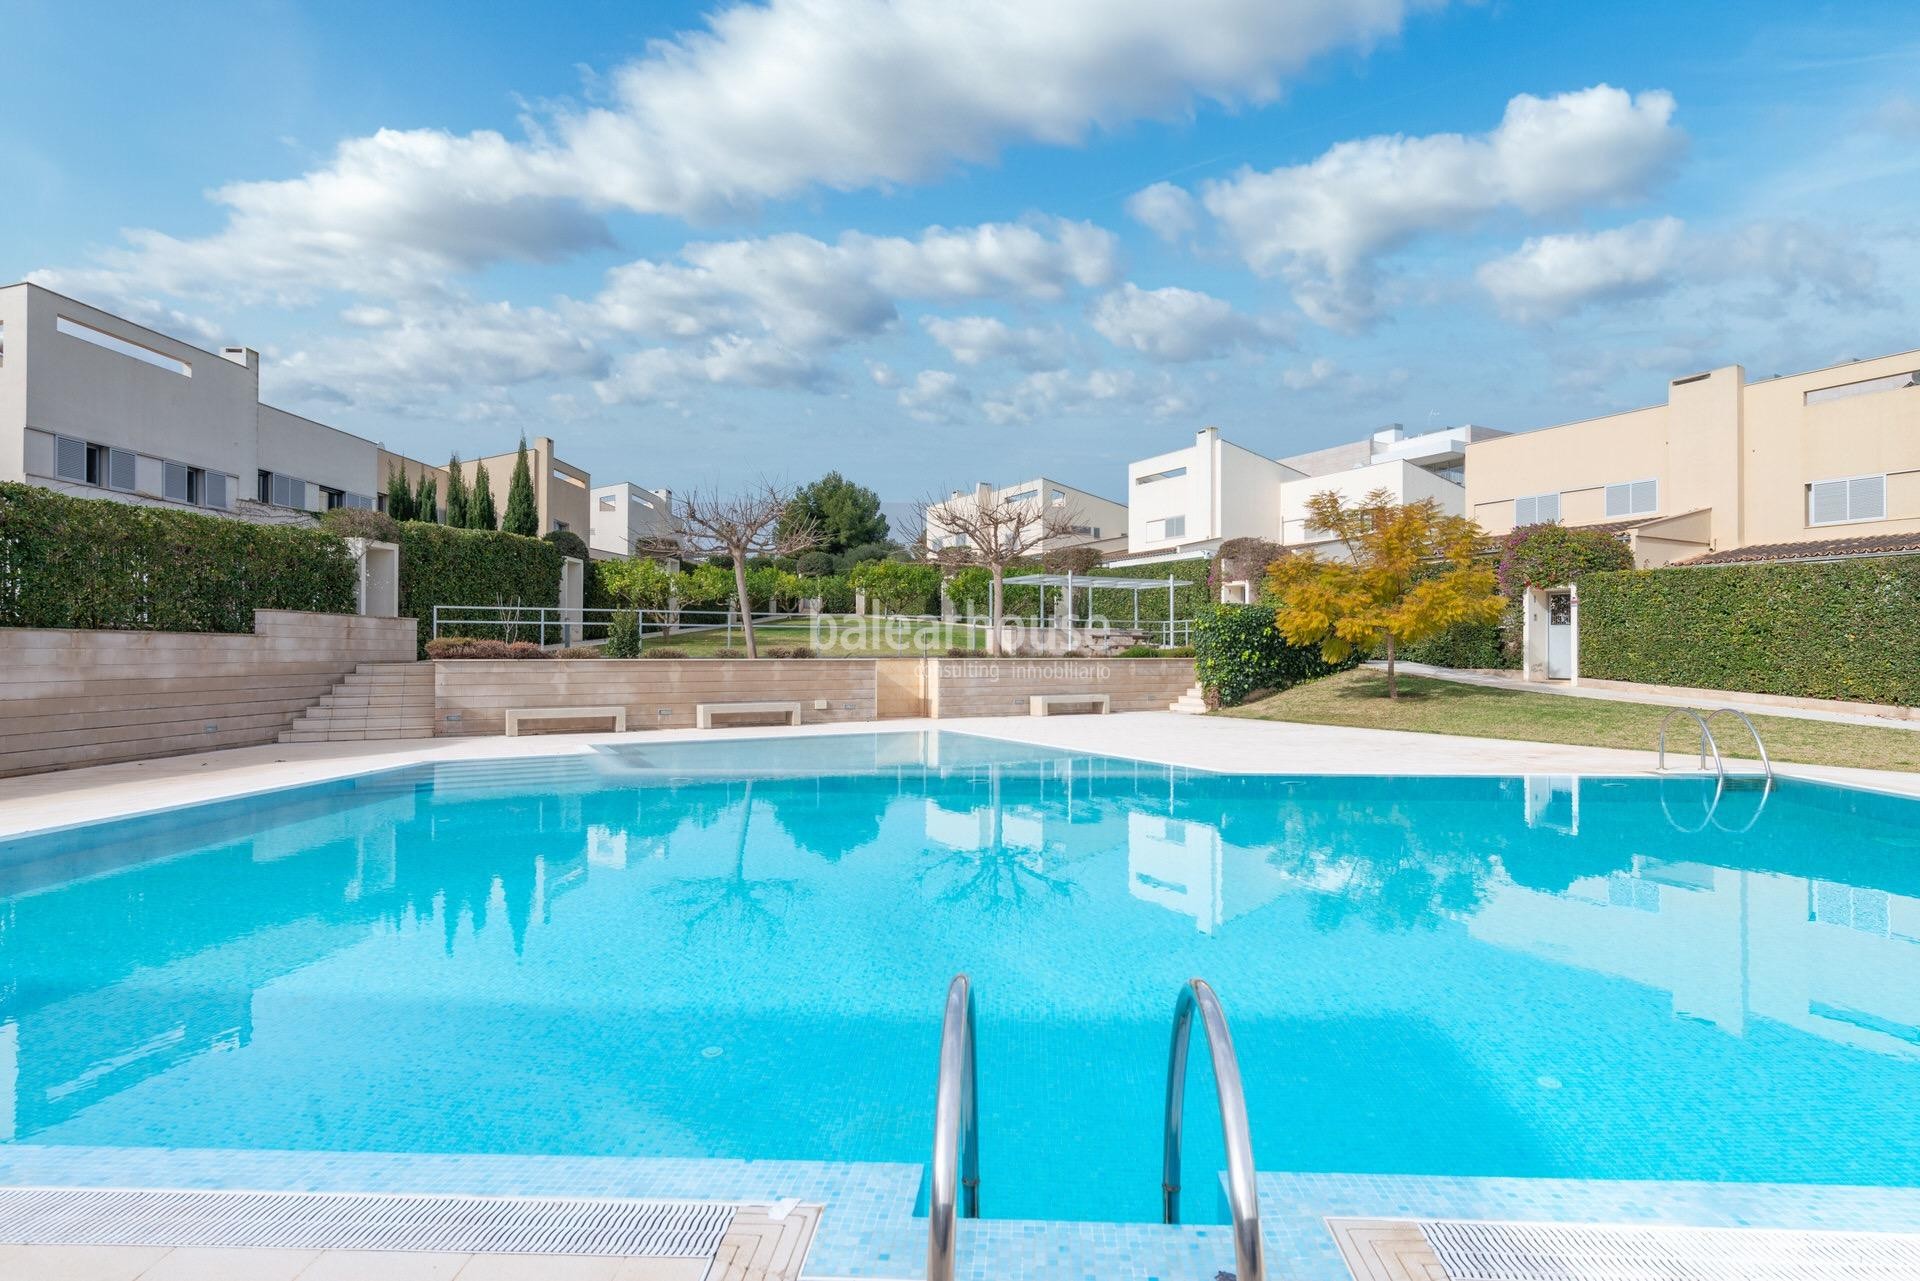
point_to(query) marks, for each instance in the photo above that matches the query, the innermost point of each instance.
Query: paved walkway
(1752, 707)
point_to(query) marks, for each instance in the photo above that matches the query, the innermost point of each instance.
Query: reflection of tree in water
(997, 877)
(735, 902)
(1385, 863)
(828, 816)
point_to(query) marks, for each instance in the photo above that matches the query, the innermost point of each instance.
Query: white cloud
(1797, 258)
(1552, 276)
(768, 101)
(1325, 376)
(882, 374)
(1173, 324)
(658, 373)
(1315, 373)
(812, 294)
(975, 340)
(935, 395)
(1060, 392)
(1165, 210)
(1321, 225)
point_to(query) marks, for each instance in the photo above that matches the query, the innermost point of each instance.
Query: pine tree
(481, 513)
(399, 497)
(456, 494)
(426, 497)
(523, 514)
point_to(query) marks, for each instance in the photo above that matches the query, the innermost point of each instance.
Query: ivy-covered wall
(1826, 629)
(1237, 651)
(97, 563)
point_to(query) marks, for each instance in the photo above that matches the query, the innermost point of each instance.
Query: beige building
(1094, 521)
(1820, 463)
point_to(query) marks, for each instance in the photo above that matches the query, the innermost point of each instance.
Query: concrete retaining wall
(1001, 686)
(90, 697)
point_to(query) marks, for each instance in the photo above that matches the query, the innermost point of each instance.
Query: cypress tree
(523, 514)
(456, 494)
(426, 498)
(481, 513)
(399, 498)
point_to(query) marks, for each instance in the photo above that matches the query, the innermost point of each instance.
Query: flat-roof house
(1094, 521)
(631, 520)
(95, 405)
(1828, 459)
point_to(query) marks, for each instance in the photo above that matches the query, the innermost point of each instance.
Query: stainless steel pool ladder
(955, 1182)
(956, 1133)
(1243, 1195)
(1709, 744)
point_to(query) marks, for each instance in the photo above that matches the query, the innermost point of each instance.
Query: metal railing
(1766, 762)
(1243, 1196)
(550, 624)
(956, 1133)
(1706, 739)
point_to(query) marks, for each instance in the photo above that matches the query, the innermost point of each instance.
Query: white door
(1560, 637)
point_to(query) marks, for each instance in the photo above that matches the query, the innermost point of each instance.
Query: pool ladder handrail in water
(1243, 1194)
(1709, 744)
(956, 1133)
(956, 1144)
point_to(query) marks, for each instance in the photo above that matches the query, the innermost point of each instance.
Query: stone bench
(515, 715)
(1044, 704)
(703, 713)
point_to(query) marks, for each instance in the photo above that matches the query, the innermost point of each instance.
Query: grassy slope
(1357, 698)
(703, 644)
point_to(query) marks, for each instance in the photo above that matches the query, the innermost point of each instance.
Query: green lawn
(921, 638)
(1357, 698)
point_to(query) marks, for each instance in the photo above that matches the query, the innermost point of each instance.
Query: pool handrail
(1766, 761)
(1243, 1195)
(956, 1132)
(1707, 742)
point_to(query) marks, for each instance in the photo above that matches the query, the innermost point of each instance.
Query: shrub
(1237, 650)
(97, 563)
(623, 635)
(663, 651)
(1823, 629)
(1554, 555)
(790, 651)
(358, 522)
(443, 565)
(814, 564)
(1470, 645)
(897, 586)
(729, 652)
(580, 651)
(525, 649)
(569, 543)
(470, 647)
(835, 593)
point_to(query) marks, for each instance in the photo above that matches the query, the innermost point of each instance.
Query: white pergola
(1094, 582)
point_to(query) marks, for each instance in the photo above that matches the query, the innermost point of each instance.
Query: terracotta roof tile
(1814, 549)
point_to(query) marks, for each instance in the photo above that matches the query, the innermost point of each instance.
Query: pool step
(374, 701)
(1191, 703)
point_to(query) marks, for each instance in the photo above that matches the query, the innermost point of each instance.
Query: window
(1024, 496)
(559, 525)
(280, 490)
(88, 464)
(1866, 387)
(218, 492)
(1091, 531)
(1537, 509)
(332, 498)
(1171, 527)
(101, 338)
(606, 502)
(1633, 498)
(1172, 473)
(1836, 502)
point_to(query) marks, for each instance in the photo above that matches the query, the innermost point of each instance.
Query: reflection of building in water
(1553, 802)
(1839, 961)
(1185, 867)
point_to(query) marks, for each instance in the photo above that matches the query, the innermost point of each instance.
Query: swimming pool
(740, 949)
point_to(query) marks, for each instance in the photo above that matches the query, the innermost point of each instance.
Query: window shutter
(1827, 502)
(120, 469)
(1646, 496)
(1547, 508)
(217, 489)
(70, 458)
(176, 484)
(1619, 500)
(1523, 513)
(1867, 498)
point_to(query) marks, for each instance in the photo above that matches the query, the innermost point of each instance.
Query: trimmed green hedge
(442, 565)
(1470, 645)
(1829, 629)
(97, 563)
(1237, 650)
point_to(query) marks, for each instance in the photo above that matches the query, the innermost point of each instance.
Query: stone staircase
(375, 700)
(1192, 703)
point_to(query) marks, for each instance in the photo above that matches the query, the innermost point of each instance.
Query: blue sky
(929, 243)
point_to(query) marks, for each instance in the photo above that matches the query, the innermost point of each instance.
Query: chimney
(246, 356)
(983, 493)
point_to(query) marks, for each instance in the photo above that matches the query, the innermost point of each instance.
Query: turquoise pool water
(741, 949)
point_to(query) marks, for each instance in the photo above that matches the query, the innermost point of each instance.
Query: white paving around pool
(40, 801)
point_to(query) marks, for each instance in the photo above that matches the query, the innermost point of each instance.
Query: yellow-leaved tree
(1409, 574)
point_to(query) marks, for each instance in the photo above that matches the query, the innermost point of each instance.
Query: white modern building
(629, 520)
(99, 407)
(1095, 522)
(1190, 501)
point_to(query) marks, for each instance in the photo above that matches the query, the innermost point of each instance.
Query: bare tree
(993, 532)
(743, 525)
